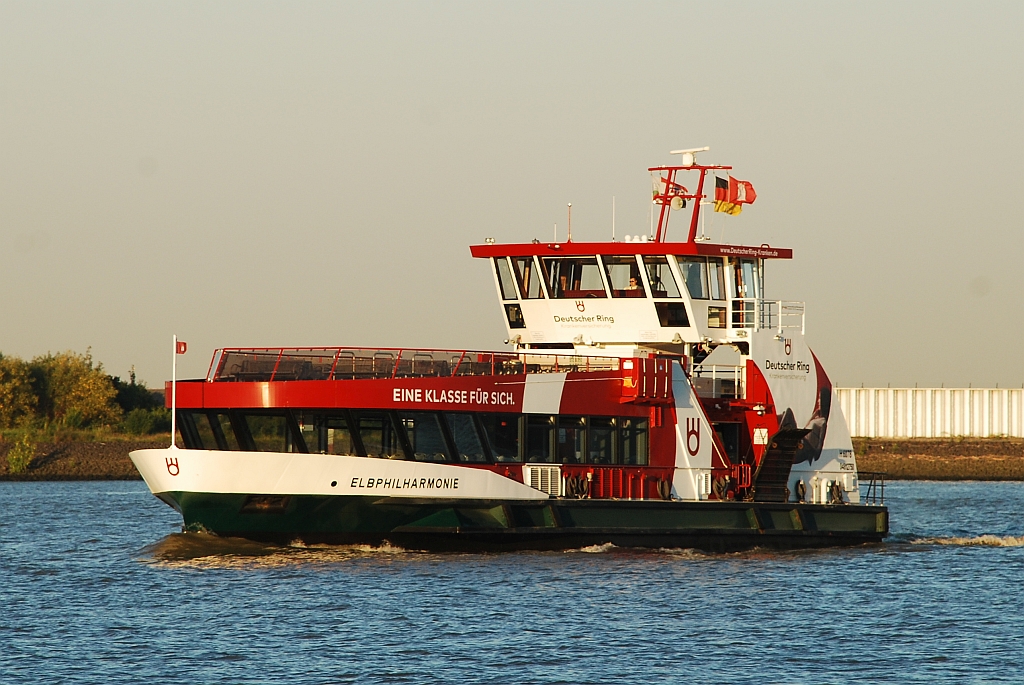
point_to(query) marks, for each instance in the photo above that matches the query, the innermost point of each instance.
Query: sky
(260, 174)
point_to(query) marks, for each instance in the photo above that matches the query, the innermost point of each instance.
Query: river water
(97, 585)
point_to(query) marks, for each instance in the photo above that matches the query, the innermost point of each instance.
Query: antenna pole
(174, 389)
(569, 239)
(696, 207)
(613, 218)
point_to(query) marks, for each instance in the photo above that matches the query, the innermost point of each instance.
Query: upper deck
(643, 293)
(275, 364)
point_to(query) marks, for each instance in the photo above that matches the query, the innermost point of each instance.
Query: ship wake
(975, 541)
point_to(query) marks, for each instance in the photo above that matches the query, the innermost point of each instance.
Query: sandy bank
(924, 459)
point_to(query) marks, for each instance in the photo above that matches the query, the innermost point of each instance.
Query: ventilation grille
(544, 478)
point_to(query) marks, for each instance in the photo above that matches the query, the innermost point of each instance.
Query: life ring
(582, 486)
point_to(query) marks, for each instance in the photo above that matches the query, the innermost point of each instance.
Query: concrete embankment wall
(933, 412)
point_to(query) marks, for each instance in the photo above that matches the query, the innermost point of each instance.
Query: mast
(673, 196)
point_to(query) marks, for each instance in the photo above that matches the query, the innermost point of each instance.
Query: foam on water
(976, 541)
(202, 550)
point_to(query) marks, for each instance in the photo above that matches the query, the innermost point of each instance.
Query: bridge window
(672, 314)
(659, 275)
(747, 278)
(505, 281)
(529, 279)
(695, 275)
(466, 439)
(716, 278)
(624, 276)
(502, 433)
(514, 314)
(425, 435)
(573, 277)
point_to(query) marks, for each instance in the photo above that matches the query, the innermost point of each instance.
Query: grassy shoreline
(106, 458)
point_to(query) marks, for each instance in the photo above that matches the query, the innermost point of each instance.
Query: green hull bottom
(489, 525)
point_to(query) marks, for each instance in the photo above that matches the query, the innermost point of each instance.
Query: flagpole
(174, 390)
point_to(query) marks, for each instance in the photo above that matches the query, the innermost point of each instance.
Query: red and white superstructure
(652, 396)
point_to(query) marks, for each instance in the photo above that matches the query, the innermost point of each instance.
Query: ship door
(729, 434)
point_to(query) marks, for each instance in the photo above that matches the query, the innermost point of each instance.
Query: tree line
(68, 391)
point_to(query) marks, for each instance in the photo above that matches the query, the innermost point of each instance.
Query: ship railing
(777, 315)
(872, 484)
(718, 380)
(357, 363)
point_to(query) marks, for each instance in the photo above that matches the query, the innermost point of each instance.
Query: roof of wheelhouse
(552, 249)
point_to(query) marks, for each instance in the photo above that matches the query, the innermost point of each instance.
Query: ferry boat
(651, 396)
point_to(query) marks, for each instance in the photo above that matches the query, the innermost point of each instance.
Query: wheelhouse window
(506, 283)
(573, 277)
(659, 275)
(716, 278)
(695, 274)
(747, 277)
(624, 276)
(529, 279)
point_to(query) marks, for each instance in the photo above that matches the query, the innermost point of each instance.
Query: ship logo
(789, 346)
(172, 466)
(580, 306)
(692, 436)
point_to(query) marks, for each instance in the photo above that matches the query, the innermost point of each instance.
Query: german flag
(730, 194)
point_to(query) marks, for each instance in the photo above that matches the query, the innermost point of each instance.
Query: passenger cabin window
(502, 433)
(573, 277)
(338, 436)
(539, 431)
(529, 279)
(270, 433)
(624, 276)
(425, 435)
(659, 275)
(505, 281)
(377, 435)
(633, 441)
(570, 445)
(467, 441)
(601, 440)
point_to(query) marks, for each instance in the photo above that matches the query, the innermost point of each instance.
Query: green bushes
(147, 421)
(21, 454)
(67, 396)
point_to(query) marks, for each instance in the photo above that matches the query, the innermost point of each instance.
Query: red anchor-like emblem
(172, 466)
(580, 306)
(789, 346)
(693, 436)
